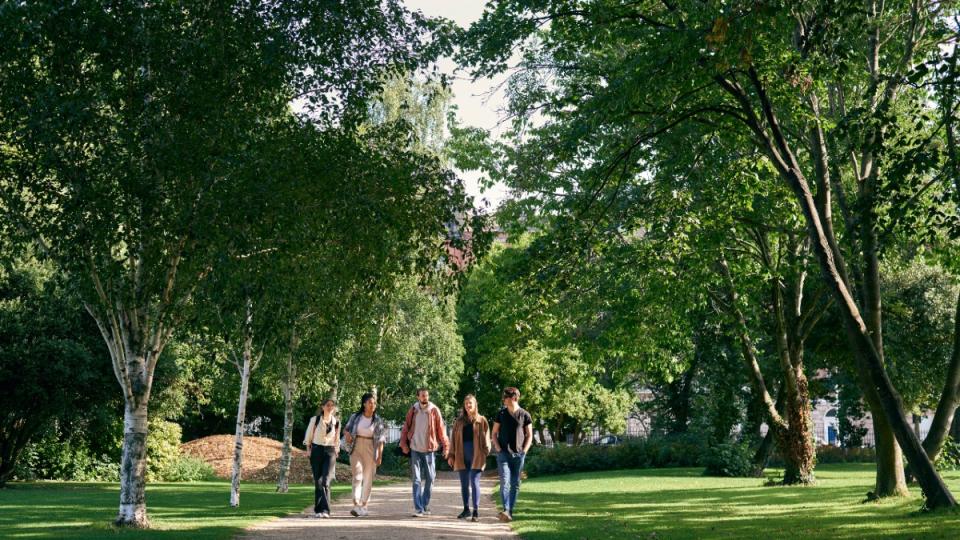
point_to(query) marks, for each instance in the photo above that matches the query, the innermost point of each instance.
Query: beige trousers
(364, 469)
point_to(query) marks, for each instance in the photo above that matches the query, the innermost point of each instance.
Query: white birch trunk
(133, 467)
(241, 419)
(134, 351)
(289, 394)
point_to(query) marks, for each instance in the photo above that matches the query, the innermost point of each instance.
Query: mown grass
(682, 504)
(198, 511)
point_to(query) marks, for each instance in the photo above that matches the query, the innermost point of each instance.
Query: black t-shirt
(512, 434)
(467, 431)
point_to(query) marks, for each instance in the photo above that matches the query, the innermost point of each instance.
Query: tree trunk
(890, 480)
(775, 144)
(134, 350)
(289, 395)
(762, 456)
(542, 433)
(949, 397)
(796, 444)
(241, 419)
(133, 466)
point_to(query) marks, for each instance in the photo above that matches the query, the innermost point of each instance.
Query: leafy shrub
(187, 469)
(729, 459)
(53, 459)
(163, 448)
(949, 458)
(835, 454)
(670, 451)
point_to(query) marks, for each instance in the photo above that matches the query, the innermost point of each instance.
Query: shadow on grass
(200, 511)
(680, 503)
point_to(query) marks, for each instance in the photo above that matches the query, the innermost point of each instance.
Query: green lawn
(196, 510)
(680, 503)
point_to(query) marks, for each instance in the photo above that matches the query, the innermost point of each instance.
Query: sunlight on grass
(200, 511)
(679, 503)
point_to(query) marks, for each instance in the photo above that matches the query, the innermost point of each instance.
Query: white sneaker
(364, 512)
(418, 514)
(355, 512)
(325, 515)
(317, 515)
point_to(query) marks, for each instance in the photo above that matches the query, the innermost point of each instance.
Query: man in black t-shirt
(512, 437)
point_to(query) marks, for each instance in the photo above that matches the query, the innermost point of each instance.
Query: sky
(476, 103)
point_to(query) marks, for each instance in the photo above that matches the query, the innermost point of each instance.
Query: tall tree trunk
(869, 361)
(890, 480)
(949, 397)
(241, 419)
(796, 444)
(133, 466)
(134, 350)
(761, 457)
(791, 430)
(289, 395)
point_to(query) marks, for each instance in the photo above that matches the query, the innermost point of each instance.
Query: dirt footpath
(391, 509)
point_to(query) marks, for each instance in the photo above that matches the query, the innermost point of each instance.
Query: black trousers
(323, 463)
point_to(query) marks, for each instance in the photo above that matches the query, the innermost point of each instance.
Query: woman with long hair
(469, 448)
(366, 434)
(322, 441)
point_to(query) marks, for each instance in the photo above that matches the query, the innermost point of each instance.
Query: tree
(52, 362)
(843, 134)
(125, 131)
(515, 336)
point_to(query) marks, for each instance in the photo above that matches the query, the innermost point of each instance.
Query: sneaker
(419, 514)
(364, 512)
(325, 515)
(427, 512)
(355, 512)
(464, 515)
(476, 517)
(505, 517)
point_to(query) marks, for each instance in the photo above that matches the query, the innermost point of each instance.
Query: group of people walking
(422, 437)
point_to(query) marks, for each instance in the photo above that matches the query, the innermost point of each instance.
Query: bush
(835, 454)
(949, 458)
(163, 448)
(670, 451)
(729, 459)
(187, 469)
(53, 459)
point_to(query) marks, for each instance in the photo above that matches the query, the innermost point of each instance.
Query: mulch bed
(261, 459)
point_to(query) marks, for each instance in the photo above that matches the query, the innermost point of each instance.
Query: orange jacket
(436, 431)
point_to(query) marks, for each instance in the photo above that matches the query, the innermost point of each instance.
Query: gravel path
(390, 516)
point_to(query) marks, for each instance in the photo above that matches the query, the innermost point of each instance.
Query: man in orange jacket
(423, 434)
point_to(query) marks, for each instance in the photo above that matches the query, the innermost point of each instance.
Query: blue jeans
(469, 479)
(423, 471)
(509, 465)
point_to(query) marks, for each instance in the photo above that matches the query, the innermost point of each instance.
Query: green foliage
(635, 453)
(515, 337)
(55, 457)
(827, 453)
(52, 364)
(163, 448)
(949, 457)
(412, 340)
(187, 469)
(729, 459)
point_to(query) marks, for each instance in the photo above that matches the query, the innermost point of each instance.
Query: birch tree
(124, 132)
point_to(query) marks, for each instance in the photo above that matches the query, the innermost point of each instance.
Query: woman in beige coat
(469, 448)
